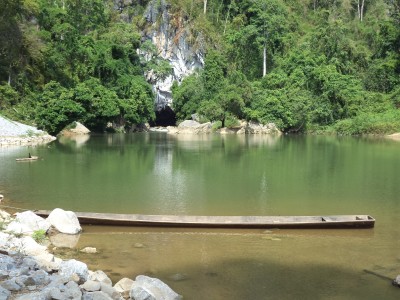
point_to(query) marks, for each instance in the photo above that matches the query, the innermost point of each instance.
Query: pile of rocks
(29, 271)
(26, 140)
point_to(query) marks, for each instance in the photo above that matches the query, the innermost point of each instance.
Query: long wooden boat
(28, 158)
(340, 221)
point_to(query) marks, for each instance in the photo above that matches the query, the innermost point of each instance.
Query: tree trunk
(358, 9)
(265, 60)
(227, 15)
(362, 10)
(205, 6)
(9, 76)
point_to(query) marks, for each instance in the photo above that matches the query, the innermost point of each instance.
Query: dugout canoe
(27, 158)
(340, 221)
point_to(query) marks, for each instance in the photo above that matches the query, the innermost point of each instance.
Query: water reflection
(74, 141)
(63, 240)
(229, 175)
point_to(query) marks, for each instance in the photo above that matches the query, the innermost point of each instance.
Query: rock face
(148, 288)
(172, 45)
(64, 221)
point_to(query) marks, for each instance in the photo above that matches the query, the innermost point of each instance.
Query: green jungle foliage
(307, 65)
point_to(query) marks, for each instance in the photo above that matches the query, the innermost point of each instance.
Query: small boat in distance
(28, 158)
(340, 221)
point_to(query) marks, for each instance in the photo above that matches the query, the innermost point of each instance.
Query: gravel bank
(15, 133)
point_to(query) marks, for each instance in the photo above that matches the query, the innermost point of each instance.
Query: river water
(158, 173)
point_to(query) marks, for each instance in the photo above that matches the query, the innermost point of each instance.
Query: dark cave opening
(165, 117)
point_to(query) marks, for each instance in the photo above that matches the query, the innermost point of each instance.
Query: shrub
(39, 235)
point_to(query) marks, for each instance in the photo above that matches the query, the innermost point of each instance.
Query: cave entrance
(165, 117)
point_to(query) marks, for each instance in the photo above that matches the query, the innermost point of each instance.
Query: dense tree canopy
(305, 65)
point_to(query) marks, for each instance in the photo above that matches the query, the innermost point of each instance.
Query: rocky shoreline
(18, 134)
(29, 271)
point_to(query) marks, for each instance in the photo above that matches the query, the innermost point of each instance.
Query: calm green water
(226, 175)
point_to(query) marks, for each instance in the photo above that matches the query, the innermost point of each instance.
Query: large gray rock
(40, 277)
(98, 295)
(26, 223)
(148, 288)
(10, 285)
(110, 291)
(189, 124)
(100, 276)
(124, 286)
(4, 293)
(64, 221)
(70, 267)
(190, 127)
(258, 128)
(91, 286)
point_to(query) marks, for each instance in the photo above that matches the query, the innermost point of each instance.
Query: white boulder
(64, 221)
(28, 246)
(48, 261)
(148, 288)
(26, 223)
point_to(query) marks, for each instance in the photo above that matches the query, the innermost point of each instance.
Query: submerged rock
(89, 250)
(63, 240)
(396, 281)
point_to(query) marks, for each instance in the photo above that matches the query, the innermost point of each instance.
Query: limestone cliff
(170, 34)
